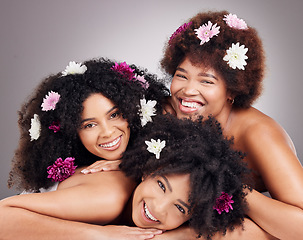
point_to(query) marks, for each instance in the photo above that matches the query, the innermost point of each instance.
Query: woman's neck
(125, 217)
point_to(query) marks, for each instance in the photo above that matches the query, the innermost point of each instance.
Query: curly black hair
(197, 148)
(31, 159)
(244, 85)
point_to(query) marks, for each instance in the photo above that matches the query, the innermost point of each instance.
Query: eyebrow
(170, 189)
(89, 119)
(200, 74)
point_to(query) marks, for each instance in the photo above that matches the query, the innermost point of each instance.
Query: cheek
(176, 86)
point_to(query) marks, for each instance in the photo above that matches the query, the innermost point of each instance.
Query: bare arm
(98, 198)
(250, 231)
(18, 224)
(271, 151)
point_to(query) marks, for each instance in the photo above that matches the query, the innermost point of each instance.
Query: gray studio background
(39, 37)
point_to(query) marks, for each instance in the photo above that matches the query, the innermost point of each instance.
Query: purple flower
(50, 101)
(207, 31)
(181, 29)
(124, 69)
(223, 203)
(55, 126)
(61, 170)
(234, 22)
(142, 80)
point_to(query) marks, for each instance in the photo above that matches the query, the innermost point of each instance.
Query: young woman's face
(104, 132)
(161, 202)
(197, 91)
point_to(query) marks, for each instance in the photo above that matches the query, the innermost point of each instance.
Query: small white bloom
(74, 68)
(147, 111)
(155, 147)
(35, 129)
(235, 56)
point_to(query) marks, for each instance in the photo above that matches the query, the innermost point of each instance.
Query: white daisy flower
(235, 56)
(147, 110)
(35, 129)
(74, 68)
(155, 147)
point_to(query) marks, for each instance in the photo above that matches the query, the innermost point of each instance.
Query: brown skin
(270, 153)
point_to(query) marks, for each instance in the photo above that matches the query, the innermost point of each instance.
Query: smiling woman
(189, 176)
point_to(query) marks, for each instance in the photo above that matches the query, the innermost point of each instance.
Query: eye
(181, 209)
(89, 125)
(180, 76)
(115, 114)
(206, 81)
(161, 185)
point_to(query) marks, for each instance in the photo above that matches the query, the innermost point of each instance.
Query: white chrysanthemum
(35, 129)
(74, 68)
(235, 56)
(147, 110)
(155, 147)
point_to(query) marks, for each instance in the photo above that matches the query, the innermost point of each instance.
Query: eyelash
(161, 185)
(89, 125)
(181, 209)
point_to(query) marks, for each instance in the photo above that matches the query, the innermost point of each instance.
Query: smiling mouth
(112, 144)
(148, 215)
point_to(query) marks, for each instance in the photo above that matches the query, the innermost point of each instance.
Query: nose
(190, 88)
(160, 206)
(106, 130)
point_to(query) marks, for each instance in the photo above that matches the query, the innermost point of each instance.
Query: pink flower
(50, 101)
(142, 80)
(55, 126)
(206, 32)
(234, 22)
(61, 170)
(223, 203)
(181, 29)
(124, 69)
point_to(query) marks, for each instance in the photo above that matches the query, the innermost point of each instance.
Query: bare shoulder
(256, 128)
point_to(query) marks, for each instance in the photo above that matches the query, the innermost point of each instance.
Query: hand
(102, 165)
(111, 232)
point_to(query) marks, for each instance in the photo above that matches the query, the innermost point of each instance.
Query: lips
(147, 215)
(189, 106)
(113, 145)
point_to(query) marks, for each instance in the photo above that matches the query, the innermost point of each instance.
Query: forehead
(97, 102)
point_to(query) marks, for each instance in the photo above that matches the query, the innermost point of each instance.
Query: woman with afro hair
(216, 62)
(87, 112)
(190, 175)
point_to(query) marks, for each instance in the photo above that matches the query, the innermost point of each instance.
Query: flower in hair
(74, 68)
(181, 29)
(61, 169)
(235, 56)
(35, 129)
(147, 110)
(234, 22)
(55, 126)
(124, 69)
(207, 31)
(223, 203)
(142, 80)
(155, 147)
(50, 101)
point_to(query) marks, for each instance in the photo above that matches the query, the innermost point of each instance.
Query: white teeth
(148, 214)
(189, 104)
(113, 143)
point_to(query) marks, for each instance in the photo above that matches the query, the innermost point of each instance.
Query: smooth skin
(270, 152)
(164, 207)
(97, 199)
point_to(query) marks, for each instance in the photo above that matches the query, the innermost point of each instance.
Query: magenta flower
(142, 80)
(207, 31)
(55, 126)
(181, 29)
(234, 22)
(50, 101)
(124, 69)
(223, 203)
(61, 170)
